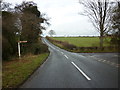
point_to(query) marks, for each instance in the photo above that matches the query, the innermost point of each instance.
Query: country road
(64, 69)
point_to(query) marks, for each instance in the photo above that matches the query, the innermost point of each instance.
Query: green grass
(17, 71)
(83, 41)
(83, 44)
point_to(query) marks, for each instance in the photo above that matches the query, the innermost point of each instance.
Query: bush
(40, 48)
(35, 48)
(8, 50)
(68, 46)
(115, 41)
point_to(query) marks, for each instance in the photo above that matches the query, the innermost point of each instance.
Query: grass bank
(83, 41)
(15, 72)
(83, 44)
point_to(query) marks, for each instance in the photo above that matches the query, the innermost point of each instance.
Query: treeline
(22, 23)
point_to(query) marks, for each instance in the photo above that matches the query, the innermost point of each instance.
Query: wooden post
(19, 50)
(19, 47)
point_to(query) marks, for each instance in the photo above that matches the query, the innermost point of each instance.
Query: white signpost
(19, 47)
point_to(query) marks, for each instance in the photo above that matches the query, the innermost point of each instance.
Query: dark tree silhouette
(30, 21)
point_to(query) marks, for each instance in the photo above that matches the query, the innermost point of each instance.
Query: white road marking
(52, 47)
(66, 56)
(81, 71)
(103, 60)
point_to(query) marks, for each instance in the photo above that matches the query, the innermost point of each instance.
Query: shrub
(34, 48)
(68, 46)
(40, 48)
(115, 41)
(8, 50)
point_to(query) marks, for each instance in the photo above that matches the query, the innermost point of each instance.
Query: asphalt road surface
(64, 69)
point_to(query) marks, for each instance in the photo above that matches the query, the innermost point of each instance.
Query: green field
(83, 41)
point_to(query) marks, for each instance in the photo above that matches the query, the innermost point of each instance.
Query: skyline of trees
(23, 23)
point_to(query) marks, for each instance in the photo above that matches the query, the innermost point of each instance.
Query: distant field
(83, 41)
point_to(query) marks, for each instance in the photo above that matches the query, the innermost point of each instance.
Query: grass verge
(15, 72)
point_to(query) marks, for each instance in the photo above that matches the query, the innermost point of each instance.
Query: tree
(24, 22)
(30, 19)
(116, 18)
(9, 43)
(116, 24)
(5, 6)
(51, 32)
(99, 12)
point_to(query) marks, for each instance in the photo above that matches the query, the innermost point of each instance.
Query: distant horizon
(71, 35)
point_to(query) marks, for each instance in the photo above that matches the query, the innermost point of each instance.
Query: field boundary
(72, 48)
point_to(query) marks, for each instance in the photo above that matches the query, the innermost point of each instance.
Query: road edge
(19, 86)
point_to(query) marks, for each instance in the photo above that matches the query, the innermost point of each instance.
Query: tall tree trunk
(101, 40)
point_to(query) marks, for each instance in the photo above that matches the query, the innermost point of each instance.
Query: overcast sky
(65, 19)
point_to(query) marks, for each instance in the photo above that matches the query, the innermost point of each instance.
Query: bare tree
(115, 20)
(51, 32)
(115, 24)
(99, 12)
(4, 6)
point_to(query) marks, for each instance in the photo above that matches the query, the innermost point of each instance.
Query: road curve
(65, 69)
